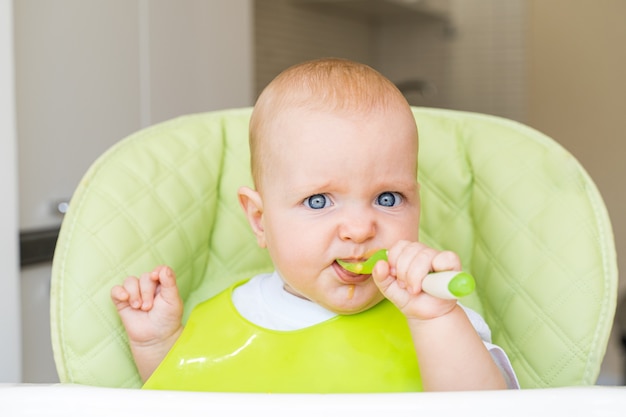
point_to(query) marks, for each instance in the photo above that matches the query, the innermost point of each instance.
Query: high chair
(524, 216)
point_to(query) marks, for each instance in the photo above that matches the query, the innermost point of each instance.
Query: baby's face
(340, 187)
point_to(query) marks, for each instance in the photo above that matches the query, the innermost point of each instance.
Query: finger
(446, 261)
(414, 263)
(393, 254)
(154, 275)
(394, 251)
(167, 280)
(148, 288)
(131, 286)
(388, 285)
(120, 297)
(380, 273)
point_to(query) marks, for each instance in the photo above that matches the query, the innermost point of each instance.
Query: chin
(354, 306)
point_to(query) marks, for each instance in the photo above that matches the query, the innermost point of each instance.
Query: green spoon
(447, 284)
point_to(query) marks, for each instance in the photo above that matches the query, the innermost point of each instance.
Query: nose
(357, 226)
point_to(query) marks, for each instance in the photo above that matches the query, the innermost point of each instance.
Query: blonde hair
(328, 84)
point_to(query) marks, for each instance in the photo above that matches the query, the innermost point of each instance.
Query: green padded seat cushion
(521, 212)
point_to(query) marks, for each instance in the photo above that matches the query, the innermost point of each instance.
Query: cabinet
(382, 10)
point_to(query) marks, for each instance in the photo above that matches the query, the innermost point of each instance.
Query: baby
(334, 160)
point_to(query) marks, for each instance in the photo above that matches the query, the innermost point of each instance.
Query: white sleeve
(497, 353)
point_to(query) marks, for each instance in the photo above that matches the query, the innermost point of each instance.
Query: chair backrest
(522, 213)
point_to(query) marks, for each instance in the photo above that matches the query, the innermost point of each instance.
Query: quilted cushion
(524, 216)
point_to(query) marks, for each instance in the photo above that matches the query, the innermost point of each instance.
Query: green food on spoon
(365, 267)
(445, 284)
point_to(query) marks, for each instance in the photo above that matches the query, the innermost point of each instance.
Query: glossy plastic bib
(222, 352)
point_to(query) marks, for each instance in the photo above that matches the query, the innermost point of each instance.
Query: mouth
(349, 277)
(363, 266)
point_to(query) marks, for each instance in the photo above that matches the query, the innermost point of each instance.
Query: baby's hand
(400, 279)
(150, 307)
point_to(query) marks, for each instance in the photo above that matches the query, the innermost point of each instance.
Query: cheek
(288, 241)
(408, 229)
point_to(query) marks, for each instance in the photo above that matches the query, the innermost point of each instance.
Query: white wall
(200, 55)
(10, 370)
(88, 73)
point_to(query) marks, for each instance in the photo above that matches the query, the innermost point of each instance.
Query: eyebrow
(399, 184)
(327, 186)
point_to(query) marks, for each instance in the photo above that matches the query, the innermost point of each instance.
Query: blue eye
(317, 201)
(388, 199)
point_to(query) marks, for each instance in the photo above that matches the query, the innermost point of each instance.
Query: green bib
(220, 351)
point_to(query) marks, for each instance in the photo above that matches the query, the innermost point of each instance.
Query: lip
(362, 258)
(349, 277)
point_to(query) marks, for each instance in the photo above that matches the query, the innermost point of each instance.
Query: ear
(252, 204)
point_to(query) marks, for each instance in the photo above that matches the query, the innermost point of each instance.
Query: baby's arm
(450, 352)
(151, 310)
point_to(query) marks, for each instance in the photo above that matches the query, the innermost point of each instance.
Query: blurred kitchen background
(76, 76)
